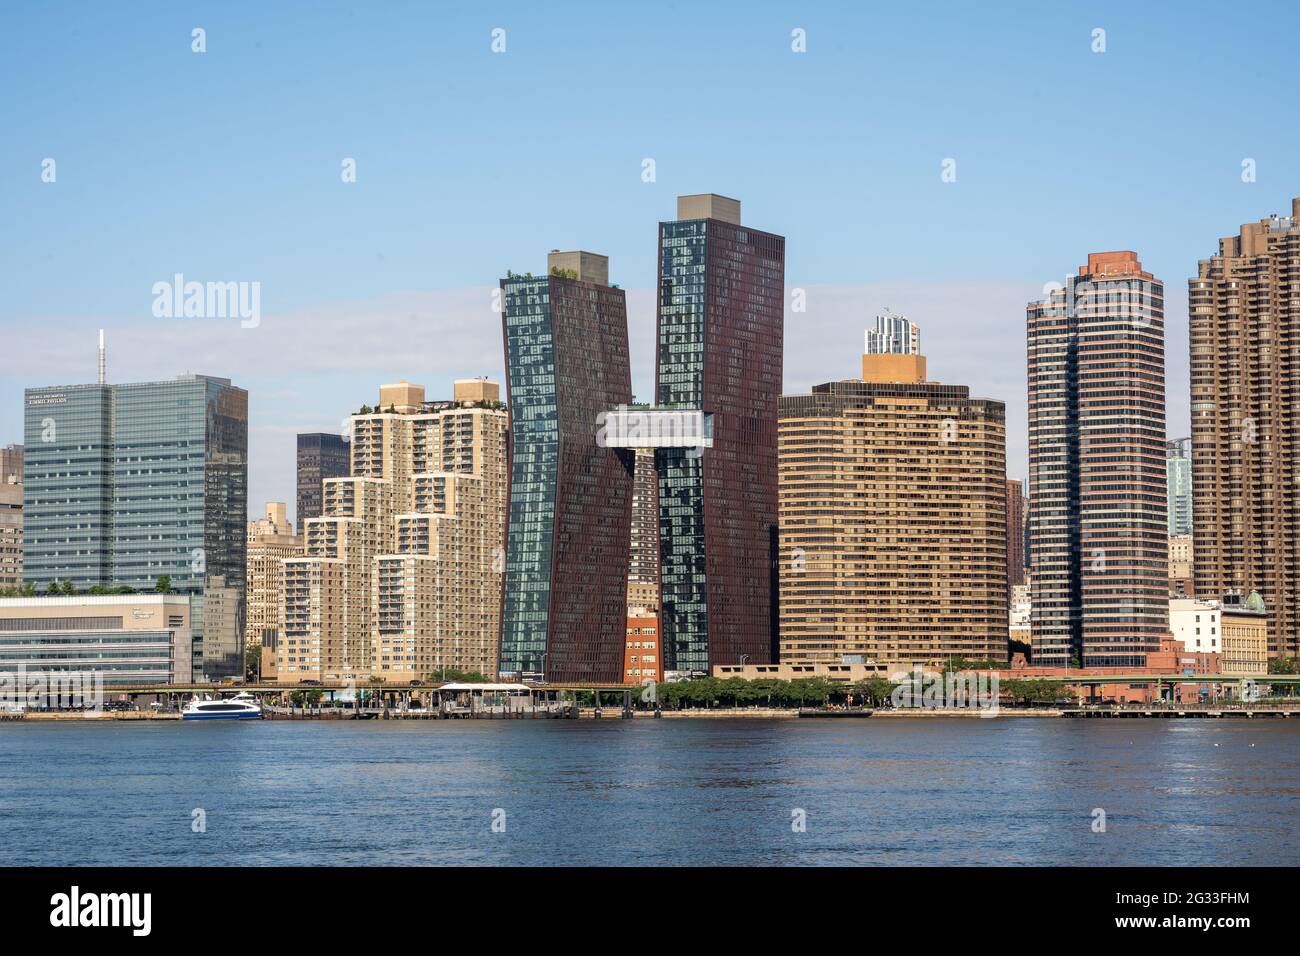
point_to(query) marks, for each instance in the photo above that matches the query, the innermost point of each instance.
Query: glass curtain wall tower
(321, 455)
(564, 610)
(720, 328)
(130, 483)
(1179, 464)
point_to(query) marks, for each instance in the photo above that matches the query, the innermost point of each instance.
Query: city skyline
(1098, 503)
(635, 439)
(375, 258)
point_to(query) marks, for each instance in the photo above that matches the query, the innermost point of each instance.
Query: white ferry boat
(243, 706)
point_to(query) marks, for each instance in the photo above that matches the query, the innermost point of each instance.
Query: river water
(652, 792)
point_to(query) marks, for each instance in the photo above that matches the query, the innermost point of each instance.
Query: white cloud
(305, 370)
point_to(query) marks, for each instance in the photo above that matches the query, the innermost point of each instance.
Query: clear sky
(225, 166)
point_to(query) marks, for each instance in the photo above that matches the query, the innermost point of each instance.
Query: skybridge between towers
(651, 426)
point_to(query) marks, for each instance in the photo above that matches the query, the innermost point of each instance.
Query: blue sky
(225, 166)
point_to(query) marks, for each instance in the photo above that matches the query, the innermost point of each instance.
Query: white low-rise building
(1019, 612)
(1198, 624)
(140, 638)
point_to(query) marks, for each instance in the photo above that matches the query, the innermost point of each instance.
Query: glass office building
(67, 489)
(129, 483)
(321, 455)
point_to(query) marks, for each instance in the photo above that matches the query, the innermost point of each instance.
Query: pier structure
(414, 700)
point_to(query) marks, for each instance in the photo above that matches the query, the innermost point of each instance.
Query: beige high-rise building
(1245, 634)
(270, 541)
(400, 576)
(893, 543)
(11, 517)
(1244, 317)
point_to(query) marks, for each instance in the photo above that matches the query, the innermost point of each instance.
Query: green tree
(810, 690)
(1030, 691)
(704, 691)
(253, 662)
(876, 690)
(164, 584)
(669, 695)
(957, 664)
(453, 676)
(734, 691)
(767, 689)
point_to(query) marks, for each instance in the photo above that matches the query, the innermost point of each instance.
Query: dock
(1239, 711)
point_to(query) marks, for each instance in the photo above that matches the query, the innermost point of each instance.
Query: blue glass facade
(534, 471)
(128, 483)
(680, 384)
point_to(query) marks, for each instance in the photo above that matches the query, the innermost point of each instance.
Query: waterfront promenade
(1255, 710)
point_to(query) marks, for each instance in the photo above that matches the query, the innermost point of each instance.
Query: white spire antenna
(101, 356)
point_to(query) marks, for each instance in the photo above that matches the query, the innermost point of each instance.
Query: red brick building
(1172, 659)
(643, 657)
